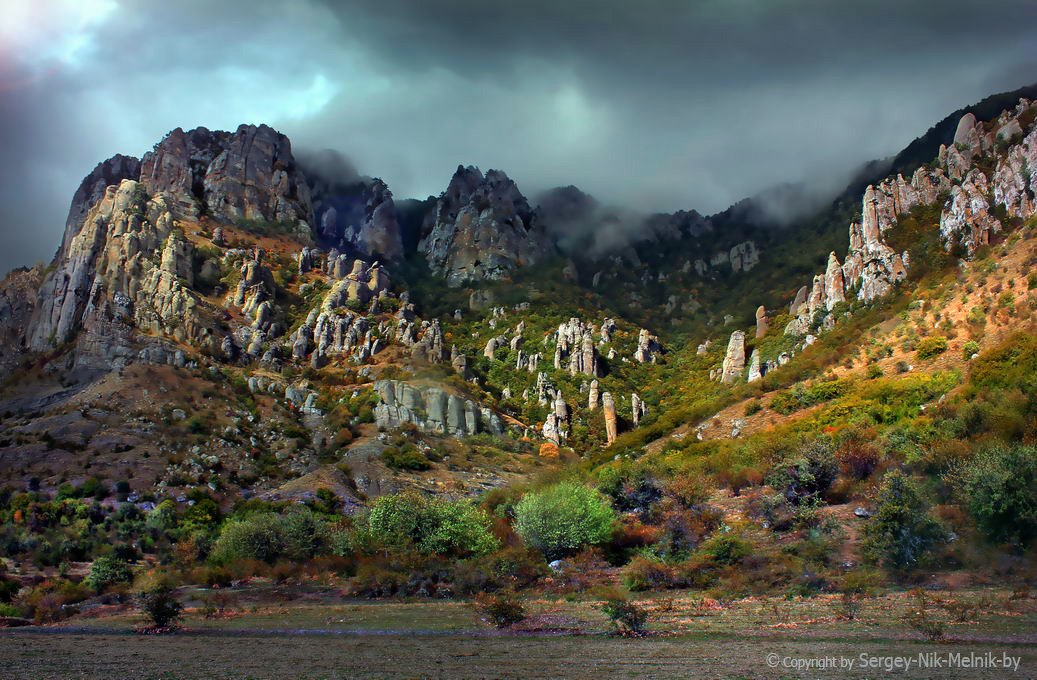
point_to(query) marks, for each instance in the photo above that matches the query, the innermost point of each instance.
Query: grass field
(691, 637)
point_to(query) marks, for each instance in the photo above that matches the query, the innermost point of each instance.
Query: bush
(999, 488)
(969, 349)
(160, 607)
(431, 526)
(688, 491)
(902, 532)
(107, 571)
(805, 477)
(502, 610)
(645, 574)
(726, 549)
(921, 619)
(406, 458)
(626, 617)
(561, 519)
(296, 535)
(931, 347)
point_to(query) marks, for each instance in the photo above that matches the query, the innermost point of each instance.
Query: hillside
(227, 334)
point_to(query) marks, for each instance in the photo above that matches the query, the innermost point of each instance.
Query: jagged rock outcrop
(593, 395)
(431, 409)
(755, 370)
(17, 303)
(575, 348)
(483, 228)
(357, 215)
(967, 218)
(740, 258)
(648, 347)
(638, 409)
(363, 284)
(459, 362)
(249, 173)
(125, 268)
(91, 190)
(734, 359)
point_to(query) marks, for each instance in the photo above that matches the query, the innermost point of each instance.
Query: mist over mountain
(654, 108)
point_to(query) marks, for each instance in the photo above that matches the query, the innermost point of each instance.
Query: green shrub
(800, 396)
(969, 349)
(647, 574)
(107, 571)
(160, 607)
(931, 347)
(296, 535)
(405, 458)
(902, 532)
(431, 526)
(563, 518)
(919, 617)
(726, 549)
(807, 475)
(999, 488)
(626, 617)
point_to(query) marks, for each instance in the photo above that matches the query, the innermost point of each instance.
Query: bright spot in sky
(50, 30)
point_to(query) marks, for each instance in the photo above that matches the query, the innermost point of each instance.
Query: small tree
(999, 488)
(626, 617)
(108, 570)
(563, 518)
(903, 531)
(160, 607)
(431, 526)
(502, 609)
(805, 477)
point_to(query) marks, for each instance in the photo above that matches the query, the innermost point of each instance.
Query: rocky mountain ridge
(220, 256)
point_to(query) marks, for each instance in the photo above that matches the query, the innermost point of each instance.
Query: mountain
(224, 322)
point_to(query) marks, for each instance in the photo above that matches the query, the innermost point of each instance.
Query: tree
(108, 570)
(903, 531)
(160, 606)
(297, 535)
(431, 526)
(561, 519)
(999, 488)
(805, 477)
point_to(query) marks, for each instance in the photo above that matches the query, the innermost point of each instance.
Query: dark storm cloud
(651, 105)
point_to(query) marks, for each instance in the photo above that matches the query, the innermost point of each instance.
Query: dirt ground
(57, 655)
(690, 637)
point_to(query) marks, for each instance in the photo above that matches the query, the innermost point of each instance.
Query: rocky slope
(287, 296)
(483, 228)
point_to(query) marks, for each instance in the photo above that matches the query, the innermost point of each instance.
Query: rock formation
(249, 173)
(734, 359)
(762, 324)
(608, 410)
(483, 228)
(431, 409)
(648, 347)
(355, 215)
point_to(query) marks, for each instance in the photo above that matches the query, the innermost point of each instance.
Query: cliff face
(483, 228)
(991, 168)
(249, 173)
(126, 268)
(359, 218)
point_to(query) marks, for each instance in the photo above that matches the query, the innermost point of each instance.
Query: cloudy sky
(655, 104)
